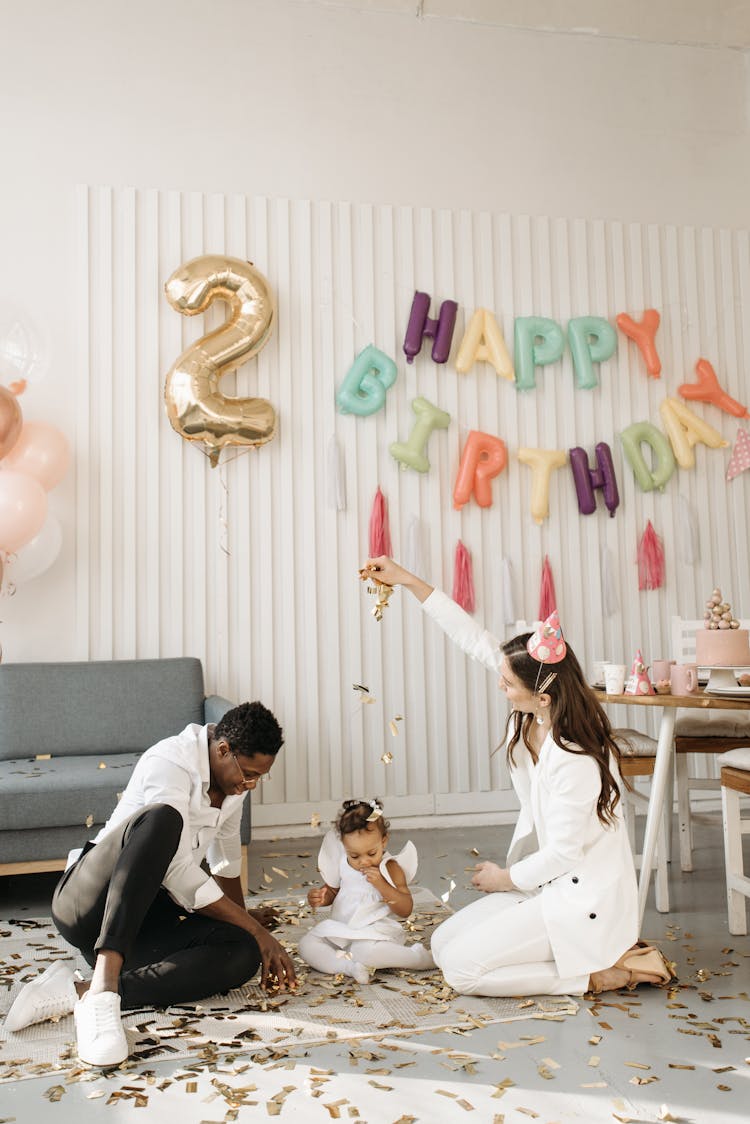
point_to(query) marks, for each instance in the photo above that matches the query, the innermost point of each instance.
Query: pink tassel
(380, 535)
(650, 560)
(463, 579)
(547, 599)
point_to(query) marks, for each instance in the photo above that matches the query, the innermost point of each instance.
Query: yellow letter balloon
(542, 463)
(195, 406)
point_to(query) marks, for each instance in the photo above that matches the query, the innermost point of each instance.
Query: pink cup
(661, 670)
(684, 679)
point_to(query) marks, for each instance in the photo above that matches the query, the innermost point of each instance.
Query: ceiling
(703, 23)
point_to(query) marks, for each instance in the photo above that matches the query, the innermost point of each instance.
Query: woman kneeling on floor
(562, 917)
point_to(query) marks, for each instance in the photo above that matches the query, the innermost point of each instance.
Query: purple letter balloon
(420, 325)
(588, 479)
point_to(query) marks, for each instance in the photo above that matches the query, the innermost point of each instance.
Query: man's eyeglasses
(249, 780)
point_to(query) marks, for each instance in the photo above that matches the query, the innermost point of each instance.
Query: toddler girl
(368, 888)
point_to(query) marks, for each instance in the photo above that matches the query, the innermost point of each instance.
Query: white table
(660, 798)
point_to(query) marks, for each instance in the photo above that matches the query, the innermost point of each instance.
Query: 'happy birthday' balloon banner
(539, 341)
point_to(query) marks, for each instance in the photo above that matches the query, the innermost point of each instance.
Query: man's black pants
(113, 898)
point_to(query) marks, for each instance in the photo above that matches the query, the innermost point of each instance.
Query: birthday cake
(721, 642)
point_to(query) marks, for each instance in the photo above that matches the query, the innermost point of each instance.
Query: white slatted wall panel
(248, 568)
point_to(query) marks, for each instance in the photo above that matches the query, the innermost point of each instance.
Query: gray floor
(648, 1055)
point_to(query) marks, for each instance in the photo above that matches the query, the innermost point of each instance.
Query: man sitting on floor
(154, 926)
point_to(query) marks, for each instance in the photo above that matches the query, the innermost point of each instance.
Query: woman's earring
(539, 720)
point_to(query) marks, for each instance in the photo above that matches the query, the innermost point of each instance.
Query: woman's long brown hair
(579, 724)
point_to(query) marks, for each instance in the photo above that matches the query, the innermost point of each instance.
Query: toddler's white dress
(362, 934)
(358, 911)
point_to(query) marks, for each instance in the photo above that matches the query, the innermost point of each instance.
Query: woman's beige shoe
(643, 963)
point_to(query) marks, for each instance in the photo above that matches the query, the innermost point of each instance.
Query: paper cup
(614, 678)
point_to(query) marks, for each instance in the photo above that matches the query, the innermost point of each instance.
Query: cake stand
(722, 679)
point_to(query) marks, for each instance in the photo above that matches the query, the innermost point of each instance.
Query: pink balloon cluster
(34, 457)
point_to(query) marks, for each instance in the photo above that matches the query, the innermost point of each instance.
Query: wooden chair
(638, 756)
(735, 783)
(699, 734)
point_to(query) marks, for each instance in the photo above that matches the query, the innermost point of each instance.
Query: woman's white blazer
(583, 869)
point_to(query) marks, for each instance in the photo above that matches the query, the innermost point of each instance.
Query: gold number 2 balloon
(195, 406)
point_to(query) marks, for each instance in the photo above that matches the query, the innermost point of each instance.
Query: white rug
(325, 1009)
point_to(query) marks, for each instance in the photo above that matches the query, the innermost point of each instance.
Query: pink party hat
(740, 458)
(547, 644)
(639, 682)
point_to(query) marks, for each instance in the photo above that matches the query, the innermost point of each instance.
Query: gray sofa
(94, 720)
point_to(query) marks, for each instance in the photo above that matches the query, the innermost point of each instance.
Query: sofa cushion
(108, 706)
(62, 792)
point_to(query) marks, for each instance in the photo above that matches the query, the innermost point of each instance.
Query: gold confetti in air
(315, 819)
(364, 693)
(387, 758)
(102, 765)
(89, 820)
(392, 724)
(381, 592)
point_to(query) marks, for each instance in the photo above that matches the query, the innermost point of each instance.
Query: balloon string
(223, 522)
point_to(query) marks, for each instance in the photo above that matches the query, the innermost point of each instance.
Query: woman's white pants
(498, 945)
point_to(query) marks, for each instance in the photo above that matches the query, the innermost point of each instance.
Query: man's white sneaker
(99, 1033)
(50, 995)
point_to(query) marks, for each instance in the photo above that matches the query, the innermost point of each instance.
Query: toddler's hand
(320, 896)
(373, 875)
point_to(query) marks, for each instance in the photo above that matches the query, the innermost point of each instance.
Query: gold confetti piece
(387, 758)
(379, 1085)
(594, 1060)
(665, 1114)
(42, 756)
(676, 1065)
(528, 1112)
(191, 1086)
(89, 820)
(594, 1085)
(102, 765)
(277, 870)
(315, 820)
(267, 877)
(393, 728)
(595, 1039)
(55, 1092)
(446, 1093)
(638, 1065)
(361, 688)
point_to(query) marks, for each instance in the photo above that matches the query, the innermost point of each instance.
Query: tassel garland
(650, 560)
(380, 535)
(509, 608)
(463, 579)
(547, 599)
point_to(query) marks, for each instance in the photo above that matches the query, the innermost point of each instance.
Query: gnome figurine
(639, 682)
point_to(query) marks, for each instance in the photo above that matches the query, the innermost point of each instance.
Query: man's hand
(491, 878)
(277, 971)
(321, 896)
(266, 916)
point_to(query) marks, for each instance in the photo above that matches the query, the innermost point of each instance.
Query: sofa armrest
(215, 707)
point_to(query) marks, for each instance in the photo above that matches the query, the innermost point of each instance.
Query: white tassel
(509, 608)
(414, 552)
(336, 482)
(610, 599)
(687, 533)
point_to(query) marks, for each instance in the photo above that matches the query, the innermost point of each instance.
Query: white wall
(297, 100)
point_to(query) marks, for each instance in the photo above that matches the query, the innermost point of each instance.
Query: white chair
(698, 734)
(735, 783)
(638, 756)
